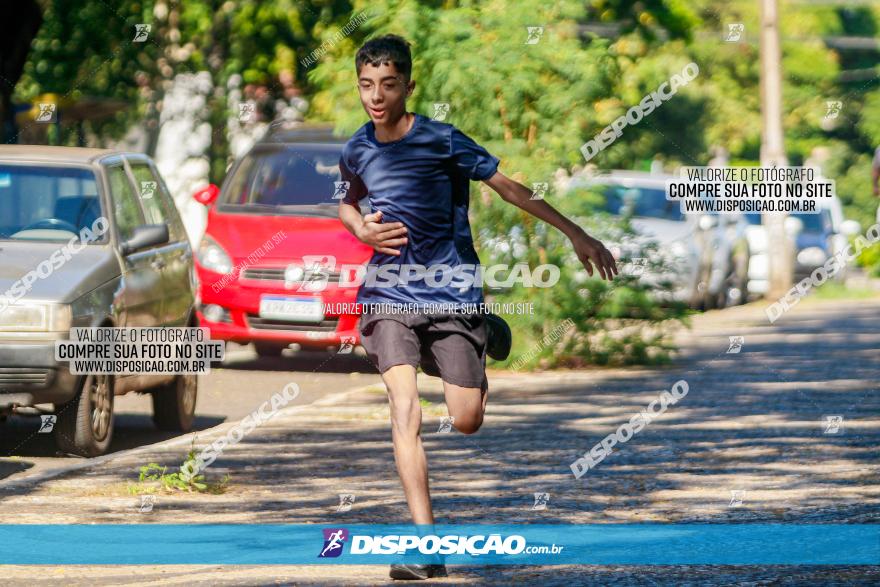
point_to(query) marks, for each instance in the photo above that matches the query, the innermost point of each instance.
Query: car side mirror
(707, 222)
(206, 195)
(148, 235)
(850, 227)
(793, 226)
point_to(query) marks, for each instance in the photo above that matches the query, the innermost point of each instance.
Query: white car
(759, 267)
(642, 197)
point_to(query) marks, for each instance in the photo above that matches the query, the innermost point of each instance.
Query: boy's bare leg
(466, 405)
(409, 453)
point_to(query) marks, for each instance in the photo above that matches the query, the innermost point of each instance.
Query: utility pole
(779, 245)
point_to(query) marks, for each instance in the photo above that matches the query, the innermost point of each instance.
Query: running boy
(416, 172)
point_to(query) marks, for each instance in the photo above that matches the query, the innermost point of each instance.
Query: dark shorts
(449, 346)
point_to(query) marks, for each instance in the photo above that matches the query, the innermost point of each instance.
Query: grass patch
(833, 290)
(154, 476)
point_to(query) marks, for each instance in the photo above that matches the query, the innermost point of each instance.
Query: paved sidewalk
(752, 423)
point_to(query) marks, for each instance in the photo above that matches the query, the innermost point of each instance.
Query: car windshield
(47, 203)
(286, 179)
(641, 201)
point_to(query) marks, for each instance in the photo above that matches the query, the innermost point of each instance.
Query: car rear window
(641, 201)
(818, 223)
(47, 202)
(284, 177)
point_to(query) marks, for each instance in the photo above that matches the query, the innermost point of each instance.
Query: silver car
(642, 197)
(88, 238)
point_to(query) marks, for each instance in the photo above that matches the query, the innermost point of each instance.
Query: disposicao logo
(370, 543)
(334, 538)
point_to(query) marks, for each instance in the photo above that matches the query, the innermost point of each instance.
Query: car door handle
(157, 264)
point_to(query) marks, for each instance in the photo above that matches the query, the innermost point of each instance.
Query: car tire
(741, 273)
(268, 349)
(701, 299)
(715, 301)
(84, 425)
(174, 404)
(711, 302)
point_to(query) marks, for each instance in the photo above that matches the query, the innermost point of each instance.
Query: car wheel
(713, 301)
(268, 349)
(702, 299)
(174, 404)
(720, 299)
(84, 425)
(740, 279)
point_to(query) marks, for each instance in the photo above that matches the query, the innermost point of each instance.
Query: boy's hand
(590, 250)
(382, 237)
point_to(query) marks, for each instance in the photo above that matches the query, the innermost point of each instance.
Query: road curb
(214, 431)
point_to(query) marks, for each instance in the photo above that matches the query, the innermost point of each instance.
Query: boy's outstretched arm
(588, 249)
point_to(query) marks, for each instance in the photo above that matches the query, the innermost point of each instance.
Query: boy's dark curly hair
(386, 49)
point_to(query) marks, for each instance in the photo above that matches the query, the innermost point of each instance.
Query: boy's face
(383, 92)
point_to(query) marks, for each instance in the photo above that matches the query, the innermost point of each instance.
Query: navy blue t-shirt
(421, 180)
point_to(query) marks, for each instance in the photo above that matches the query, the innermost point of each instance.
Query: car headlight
(31, 317)
(293, 274)
(678, 249)
(811, 257)
(212, 256)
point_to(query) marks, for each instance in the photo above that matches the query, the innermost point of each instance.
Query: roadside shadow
(307, 361)
(21, 439)
(8, 468)
(752, 421)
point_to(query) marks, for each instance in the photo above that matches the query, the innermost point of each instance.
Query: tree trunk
(19, 22)
(779, 253)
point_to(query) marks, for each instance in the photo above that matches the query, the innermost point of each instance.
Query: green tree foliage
(86, 49)
(533, 106)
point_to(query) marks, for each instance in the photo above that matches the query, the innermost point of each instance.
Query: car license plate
(292, 309)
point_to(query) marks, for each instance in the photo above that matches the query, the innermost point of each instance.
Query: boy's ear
(410, 87)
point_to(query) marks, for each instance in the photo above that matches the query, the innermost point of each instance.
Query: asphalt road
(752, 424)
(226, 394)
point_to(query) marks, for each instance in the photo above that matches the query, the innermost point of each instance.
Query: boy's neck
(394, 130)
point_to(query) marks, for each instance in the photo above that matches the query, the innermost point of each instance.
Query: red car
(271, 229)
